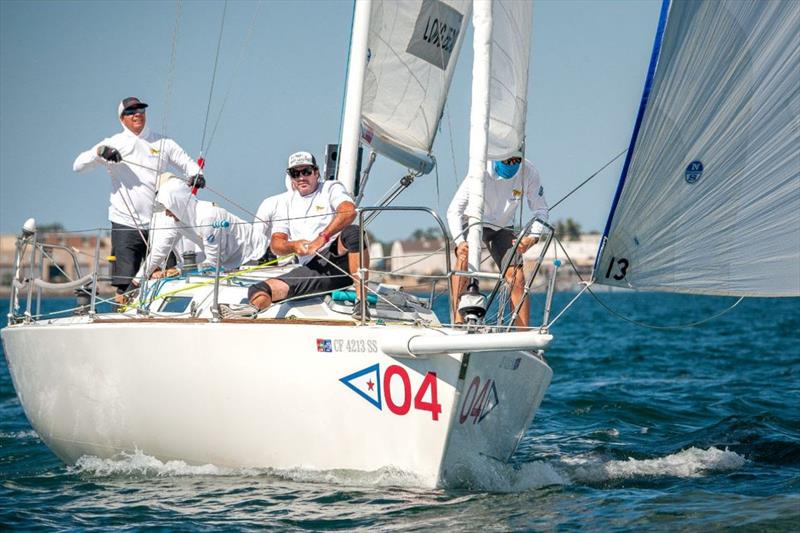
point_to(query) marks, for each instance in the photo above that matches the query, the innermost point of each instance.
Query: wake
(488, 477)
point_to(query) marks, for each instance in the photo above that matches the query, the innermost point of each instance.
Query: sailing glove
(109, 153)
(197, 181)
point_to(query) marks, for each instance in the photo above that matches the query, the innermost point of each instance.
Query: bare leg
(262, 300)
(516, 277)
(458, 285)
(352, 266)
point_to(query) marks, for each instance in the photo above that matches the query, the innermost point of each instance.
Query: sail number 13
(622, 268)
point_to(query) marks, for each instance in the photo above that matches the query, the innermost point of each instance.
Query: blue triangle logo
(367, 383)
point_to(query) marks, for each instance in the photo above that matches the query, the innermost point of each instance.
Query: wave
(498, 477)
(140, 465)
(28, 434)
(692, 462)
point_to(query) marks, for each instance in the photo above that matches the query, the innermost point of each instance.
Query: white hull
(269, 395)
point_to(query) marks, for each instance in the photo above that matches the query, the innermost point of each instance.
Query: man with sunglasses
(506, 183)
(133, 159)
(315, 222)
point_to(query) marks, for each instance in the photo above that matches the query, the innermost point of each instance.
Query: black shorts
(499, 243)
(129, 249)
(318, 275)
(268, 256)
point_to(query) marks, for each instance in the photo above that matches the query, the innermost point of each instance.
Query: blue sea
(641, 429)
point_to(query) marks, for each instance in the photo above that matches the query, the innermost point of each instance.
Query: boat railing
(29, 279)
(366, 214)
(511, 259)
(547, 234)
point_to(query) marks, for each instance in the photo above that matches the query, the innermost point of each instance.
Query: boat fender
(259, 287)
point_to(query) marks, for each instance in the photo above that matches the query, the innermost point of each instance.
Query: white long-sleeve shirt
(133, 187)
(166, 238)
(501, 200)
(202, 223)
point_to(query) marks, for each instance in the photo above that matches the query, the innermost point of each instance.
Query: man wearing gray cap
(134, 158)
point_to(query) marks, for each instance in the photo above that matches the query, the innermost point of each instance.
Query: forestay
(508, 91)
(413, 48)
(709, 199)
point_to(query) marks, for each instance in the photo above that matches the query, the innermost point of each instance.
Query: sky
(279, 87)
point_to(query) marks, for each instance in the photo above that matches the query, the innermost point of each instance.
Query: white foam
(522, 477)
(140, 464)
(28, 434)
(692, 462)
(383, 477)
(491, 477)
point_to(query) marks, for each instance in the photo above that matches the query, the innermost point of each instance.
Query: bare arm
(345, 215)
(281, 245)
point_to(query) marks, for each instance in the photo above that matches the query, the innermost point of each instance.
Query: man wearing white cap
(316, 223)
(133, 158)
(505, 184)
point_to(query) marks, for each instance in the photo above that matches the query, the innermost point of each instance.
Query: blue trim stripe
(648, 86)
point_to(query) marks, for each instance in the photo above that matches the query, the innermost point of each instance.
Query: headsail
(413, 48)
(709, 199)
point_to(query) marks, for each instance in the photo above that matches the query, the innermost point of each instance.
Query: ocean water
(689, 429)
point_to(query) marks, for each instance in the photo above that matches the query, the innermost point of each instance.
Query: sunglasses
(308, 171)
(133, 111)
(513, 161)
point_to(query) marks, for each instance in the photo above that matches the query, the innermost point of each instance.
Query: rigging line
(164, 121)
(238, 206)
(136, 219)
(168, 94)
(598, 171)
(213, 76)
(452, 147)
(637, 322)
(243, 53)
(657, 327)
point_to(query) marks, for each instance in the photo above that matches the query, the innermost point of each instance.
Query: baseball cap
(301, 159)
(130, 102)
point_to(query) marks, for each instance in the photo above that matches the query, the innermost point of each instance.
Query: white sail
(511, 44)
(709, 199)
(413, 47)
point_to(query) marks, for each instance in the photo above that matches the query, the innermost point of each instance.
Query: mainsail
(709, 198)
(412, 51)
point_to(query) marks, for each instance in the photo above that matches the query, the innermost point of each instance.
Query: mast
(351, 125)
(479, 126)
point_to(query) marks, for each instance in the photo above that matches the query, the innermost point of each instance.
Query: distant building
(426, 257)
(59, 265)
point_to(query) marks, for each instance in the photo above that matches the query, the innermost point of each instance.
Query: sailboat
(708, 203)
(304, 385)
